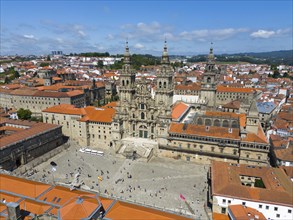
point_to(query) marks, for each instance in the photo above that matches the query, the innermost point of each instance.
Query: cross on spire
(165, 56)
(126, 54)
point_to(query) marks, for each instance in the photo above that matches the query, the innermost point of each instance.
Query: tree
(276, 74)
(16, 74)
(6, 80)
(24, 114)
(100, 64)
(44, 64)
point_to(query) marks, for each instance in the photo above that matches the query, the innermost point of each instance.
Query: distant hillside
(273, 57)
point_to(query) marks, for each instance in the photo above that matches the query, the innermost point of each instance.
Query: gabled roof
(200, 130)
(103, 114)
(178, 110)
(32, 130)
(65, 109)
(221, 88)
(226, 182)
(122, 210)
(13, 184)
(192, 87)
(245, 213)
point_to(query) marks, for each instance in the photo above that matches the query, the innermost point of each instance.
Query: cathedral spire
(126, 54)
(211, 56)
(165, 56)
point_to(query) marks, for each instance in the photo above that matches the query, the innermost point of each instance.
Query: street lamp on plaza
(53, 169)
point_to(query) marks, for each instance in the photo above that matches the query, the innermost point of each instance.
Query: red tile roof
(200, 130)
(179, 109)
(34, 129)
(221, 88)
(89, 113)
(65, 109)
(122, 210)
(245, 213)
(226, 182)
(192, 87)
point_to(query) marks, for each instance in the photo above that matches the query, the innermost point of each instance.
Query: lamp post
(53, 169)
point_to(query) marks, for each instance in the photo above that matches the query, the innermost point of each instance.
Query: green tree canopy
(44, 64)
(24, 114)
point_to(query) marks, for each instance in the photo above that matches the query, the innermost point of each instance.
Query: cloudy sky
(39, 26)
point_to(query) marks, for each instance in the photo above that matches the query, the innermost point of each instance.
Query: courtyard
(157, 183)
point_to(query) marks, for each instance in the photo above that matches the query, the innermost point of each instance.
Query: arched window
(217, 123)
(165, 85)
(209, 80)
(199, 121)
(208, 122)
(160, 84)
(127, 82)
(152, 117)
(142, 115)
(225, 124)
(123, 83)
(234, 124)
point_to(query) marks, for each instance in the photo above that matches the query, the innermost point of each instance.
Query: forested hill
(273, 57)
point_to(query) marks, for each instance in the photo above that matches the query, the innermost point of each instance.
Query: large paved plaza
(158, 182)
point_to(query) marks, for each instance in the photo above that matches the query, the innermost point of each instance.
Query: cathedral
(143, 124)
(139, 114)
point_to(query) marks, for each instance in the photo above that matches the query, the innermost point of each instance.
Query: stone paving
(157, 183)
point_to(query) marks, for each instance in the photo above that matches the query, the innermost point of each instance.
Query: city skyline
(38, 27)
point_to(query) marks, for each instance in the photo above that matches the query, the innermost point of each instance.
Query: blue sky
(39, 26)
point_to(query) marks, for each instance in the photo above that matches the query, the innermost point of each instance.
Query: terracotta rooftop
(245, 213)
(89, 113)
(218, 216)
(221, 88)
(65, 109)
(288, 170)
(260, 137)
(16, 185)
(200, 130)
(65, 194)
(122, 210)
(32, 130)
(285, 154)
(179, 109)
(103, 114)
(192, 87)
(39, 198)
(226, 182)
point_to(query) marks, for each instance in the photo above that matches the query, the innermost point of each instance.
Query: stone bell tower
(164, 95)
(209, 83)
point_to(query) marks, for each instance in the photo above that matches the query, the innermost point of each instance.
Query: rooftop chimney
(13, 211)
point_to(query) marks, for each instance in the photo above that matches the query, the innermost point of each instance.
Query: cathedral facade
(139, 114)
(147, 120)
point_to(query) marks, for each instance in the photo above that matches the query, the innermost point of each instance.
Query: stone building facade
(210, 135)
(23, 141)
(139, 115)
(36, 100)
(89, 126)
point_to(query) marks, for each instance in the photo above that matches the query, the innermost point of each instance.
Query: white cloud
(76, 30)
(262, 34)
(110, 37)
(81, 33)
(138, 46)
(146, 32)
(29, 36)
(216, 34)
(270, 33)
